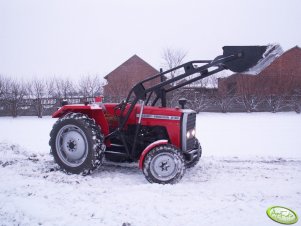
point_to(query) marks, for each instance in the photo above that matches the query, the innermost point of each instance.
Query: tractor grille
(190, 144)
(190, 125)
(191, 121)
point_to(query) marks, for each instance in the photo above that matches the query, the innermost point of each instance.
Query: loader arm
(234, 58)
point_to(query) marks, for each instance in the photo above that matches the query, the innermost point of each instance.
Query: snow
(250, 162)
(272, 52)
(250, 134)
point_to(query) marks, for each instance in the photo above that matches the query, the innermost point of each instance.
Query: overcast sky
(70, 38)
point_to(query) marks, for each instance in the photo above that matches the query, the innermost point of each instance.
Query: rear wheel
(164, 164)
(77, 143)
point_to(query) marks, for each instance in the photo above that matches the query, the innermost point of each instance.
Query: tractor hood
(150, 112)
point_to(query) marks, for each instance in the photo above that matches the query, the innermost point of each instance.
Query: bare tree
(275, 102)
(294, 96)
(225, 96)
(249, 95)
(206, 90)
(64, 88)
(224, 101)
(280, 93)
(173, 58)
(90, 86)
(2, 81)
(199, 101)
(3, 91)
(50, 88)
(210, 81)
(37, 91)
(15, 92)
(295, 101)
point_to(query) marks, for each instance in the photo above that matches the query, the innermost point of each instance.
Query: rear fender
(94, 112)
(148, 148)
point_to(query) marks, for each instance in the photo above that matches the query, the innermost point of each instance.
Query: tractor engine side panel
(163, 117)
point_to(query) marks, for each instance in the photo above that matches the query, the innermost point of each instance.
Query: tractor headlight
(188, 134)
(193, 132)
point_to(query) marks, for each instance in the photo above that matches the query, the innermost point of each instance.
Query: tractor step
(114, 156)
(115, 153)
(117, 145)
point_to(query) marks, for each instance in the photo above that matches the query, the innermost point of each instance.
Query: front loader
(162, 140)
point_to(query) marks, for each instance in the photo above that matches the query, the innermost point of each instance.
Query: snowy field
(250, 162)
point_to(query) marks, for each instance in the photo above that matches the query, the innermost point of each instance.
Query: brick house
(281, 77)
(124, 77)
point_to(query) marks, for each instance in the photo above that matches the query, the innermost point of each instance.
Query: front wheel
(164, 164)
(77, 143)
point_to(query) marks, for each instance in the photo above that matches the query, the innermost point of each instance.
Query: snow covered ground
(250, 162)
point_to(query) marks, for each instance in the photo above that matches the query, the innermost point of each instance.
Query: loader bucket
(249, 57)
(252, 59)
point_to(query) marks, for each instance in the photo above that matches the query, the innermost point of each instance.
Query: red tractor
(163, 140)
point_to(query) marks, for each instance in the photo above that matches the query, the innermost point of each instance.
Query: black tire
(159, 157)
(76, 144)
(199, 155)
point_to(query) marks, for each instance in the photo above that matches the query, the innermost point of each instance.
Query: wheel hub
(164, 166)
(72, 145)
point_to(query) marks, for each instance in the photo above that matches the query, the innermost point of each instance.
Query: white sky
(70, 38)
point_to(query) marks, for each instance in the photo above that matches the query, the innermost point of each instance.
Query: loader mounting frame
(245, 57)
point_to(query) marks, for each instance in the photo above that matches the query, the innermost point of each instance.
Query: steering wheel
(120, 106)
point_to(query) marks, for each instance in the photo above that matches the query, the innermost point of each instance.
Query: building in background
(124, 77)
(281, 77)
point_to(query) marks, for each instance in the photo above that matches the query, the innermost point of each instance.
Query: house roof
(133, 64)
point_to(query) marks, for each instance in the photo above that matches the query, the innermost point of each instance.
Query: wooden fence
(197, 101)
